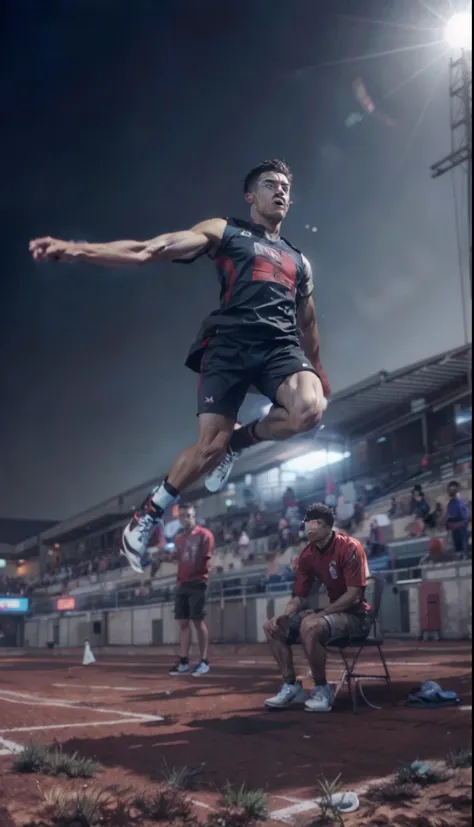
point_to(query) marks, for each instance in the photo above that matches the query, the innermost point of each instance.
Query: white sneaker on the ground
(201, 669)
(218, 478)
(289, 694)
(321, 699)
(138, 533)
(179, 669)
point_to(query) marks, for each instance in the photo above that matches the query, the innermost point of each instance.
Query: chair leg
(351, 682)
(340, 685)
(388, 679)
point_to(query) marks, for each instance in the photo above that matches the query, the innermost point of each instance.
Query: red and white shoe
(137, 534)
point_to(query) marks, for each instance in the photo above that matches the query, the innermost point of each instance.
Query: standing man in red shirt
(340, 564)
(194, 549)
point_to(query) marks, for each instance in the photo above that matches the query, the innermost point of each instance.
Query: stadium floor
(131, 716)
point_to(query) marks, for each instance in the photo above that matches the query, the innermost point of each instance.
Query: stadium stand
(381, 438)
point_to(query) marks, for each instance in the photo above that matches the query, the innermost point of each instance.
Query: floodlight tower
(458, 35)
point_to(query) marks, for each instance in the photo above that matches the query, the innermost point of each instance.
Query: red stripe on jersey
(228, 267)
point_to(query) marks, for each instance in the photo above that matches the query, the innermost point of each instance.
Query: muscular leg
(184, 638)
(214, 435)
(313, 633)
(282, 653)
(203, 638)
(301, 404)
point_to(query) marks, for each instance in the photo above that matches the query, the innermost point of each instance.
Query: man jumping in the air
(252, 340)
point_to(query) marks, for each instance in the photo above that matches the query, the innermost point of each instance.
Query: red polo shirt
(194, 551)
(343, 563)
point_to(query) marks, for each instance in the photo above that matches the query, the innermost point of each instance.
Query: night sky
(124, 120)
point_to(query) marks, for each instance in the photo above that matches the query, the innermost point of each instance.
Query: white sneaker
(201, 669)
(321, 699)
(218, 478)
(289, 694)
(137, 534)
(179, 669)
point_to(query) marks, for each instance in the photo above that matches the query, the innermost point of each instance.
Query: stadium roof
(352, 413)
(356, 408)
(14, 531)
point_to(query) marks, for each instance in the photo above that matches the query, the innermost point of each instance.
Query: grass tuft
(164, 804)
(422, 773)
(87, 807)
(252, 803)
(460, 760)
(181, 778)
(36, 758)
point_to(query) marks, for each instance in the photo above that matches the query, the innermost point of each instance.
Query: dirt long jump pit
(126, 712)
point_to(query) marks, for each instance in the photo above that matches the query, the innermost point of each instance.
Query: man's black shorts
(231, 366)
(190, 601)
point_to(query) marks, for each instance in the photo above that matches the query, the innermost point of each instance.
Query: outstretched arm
(181, 245)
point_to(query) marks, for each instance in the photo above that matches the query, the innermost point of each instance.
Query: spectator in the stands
(359, 512)
(375, 543)
(393, 510)
(433, 518)
(420, 507)
(344, 514)
(457, 518)
(417, 495)
(436, 553)
(244, 542)
(420, 510)
(289, 499)
(283, 534)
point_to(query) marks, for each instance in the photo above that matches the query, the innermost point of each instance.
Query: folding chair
(374, 640)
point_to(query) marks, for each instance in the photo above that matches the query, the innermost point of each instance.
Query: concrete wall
(238, 620)
(456, 597)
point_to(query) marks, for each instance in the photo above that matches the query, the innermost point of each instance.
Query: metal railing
(221, 588)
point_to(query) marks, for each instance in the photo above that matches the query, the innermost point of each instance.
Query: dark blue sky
(125, 120)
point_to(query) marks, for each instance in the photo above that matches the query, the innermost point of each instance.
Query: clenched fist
(51, 249)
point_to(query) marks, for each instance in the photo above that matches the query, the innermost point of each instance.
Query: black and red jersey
(261, 282)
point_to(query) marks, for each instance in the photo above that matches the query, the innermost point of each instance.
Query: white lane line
(465, 708)
(9, 747)
(84, 725)
(248, 662)
(34, 700)
(99, 686)
(201, 804)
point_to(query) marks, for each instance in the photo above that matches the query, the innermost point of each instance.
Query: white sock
(162, 496)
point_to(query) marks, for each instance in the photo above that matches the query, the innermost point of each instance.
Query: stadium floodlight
(458, 32)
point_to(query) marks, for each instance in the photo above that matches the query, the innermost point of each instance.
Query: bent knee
(271, 631)
(267, 628)
(212, 451)
(307, 415)
(183, 624)
(312, 626)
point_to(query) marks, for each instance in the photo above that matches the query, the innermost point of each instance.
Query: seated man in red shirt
(194, 549)
(340, 564)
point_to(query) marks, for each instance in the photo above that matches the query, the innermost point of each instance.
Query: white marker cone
(88, 656)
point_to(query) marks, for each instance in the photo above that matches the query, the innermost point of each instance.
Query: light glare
(458, 32)
(314, 461)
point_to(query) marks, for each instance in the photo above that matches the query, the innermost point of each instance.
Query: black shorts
(190, 601)
(230, 366)
(341, 625)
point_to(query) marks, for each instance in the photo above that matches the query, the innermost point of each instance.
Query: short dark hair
(275, 165)
(453, 484)
(320, 511)
(186, 506)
